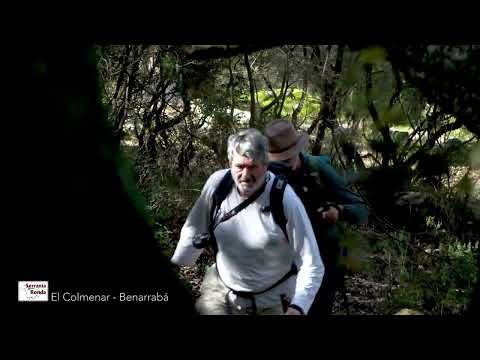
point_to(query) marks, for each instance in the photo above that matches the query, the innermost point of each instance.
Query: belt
(251, 294)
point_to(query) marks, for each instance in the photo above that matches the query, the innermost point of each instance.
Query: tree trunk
(128, 90)
(327, 113)
(125, 64)
(275, 97)
(388, 151)
(253, 110)
(283, 91)
(299, 107)
(317, 145)
(231, 85)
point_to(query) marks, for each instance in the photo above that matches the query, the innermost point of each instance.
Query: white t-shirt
(253, 252)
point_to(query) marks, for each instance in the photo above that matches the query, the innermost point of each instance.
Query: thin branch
(269, 86)
(431, 141)
(280, 108)
(326, 60)
(369, 155)
(444, 130)
(398, 86)
(474, 137)
(283, 89)
(123, 71)
(416, 131)
(252, 92)
(315, 122)
(270, 105)
(299, 107)
(188, 131)
(230, 86)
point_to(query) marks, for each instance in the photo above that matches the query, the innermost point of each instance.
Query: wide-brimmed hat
(284, 141)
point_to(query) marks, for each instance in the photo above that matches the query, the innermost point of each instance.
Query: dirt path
(365, 297)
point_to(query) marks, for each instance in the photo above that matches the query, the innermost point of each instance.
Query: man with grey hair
(261, 268)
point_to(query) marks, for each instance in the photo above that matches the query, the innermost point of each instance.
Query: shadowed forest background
(123, 138)
(401, 123)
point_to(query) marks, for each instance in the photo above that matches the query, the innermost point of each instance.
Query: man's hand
(330, 215)
(292, 311)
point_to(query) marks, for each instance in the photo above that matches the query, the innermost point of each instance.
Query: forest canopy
(400, 123)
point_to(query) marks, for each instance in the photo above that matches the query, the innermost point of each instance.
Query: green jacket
(316, 183)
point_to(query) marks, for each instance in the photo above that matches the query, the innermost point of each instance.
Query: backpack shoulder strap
(223, 189)
(220, 193)
(276, 202)
(278, 168)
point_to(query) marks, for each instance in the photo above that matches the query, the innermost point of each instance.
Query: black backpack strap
(276, 202)
(278, 168)
(220, 194)
(250, 294)
(293, 271)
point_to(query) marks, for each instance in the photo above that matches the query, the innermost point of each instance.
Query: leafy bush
(165, 239)
(440, 281)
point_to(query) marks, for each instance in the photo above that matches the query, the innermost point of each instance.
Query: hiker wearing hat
(267, 260)
(326, 197)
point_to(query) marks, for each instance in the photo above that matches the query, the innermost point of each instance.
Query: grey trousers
(215, 299)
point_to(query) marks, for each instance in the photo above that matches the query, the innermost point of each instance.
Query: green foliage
(349, 76)
(475, 157)
(171, 197)
(462, 134)
(125, 173)
(168, 197)
(451, 282)
(372, 55)
(393, 116)
(432, 164)
(214, 88)
(165, 239)
(406, 296)
(310, 108)
(465, 186)
(399, 137)
(439, 280)
(354, 250)
(199, 80)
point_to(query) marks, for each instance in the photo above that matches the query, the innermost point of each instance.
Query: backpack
(313, 179)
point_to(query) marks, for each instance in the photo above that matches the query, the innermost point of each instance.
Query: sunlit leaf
(393, 116)
(373, 55)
